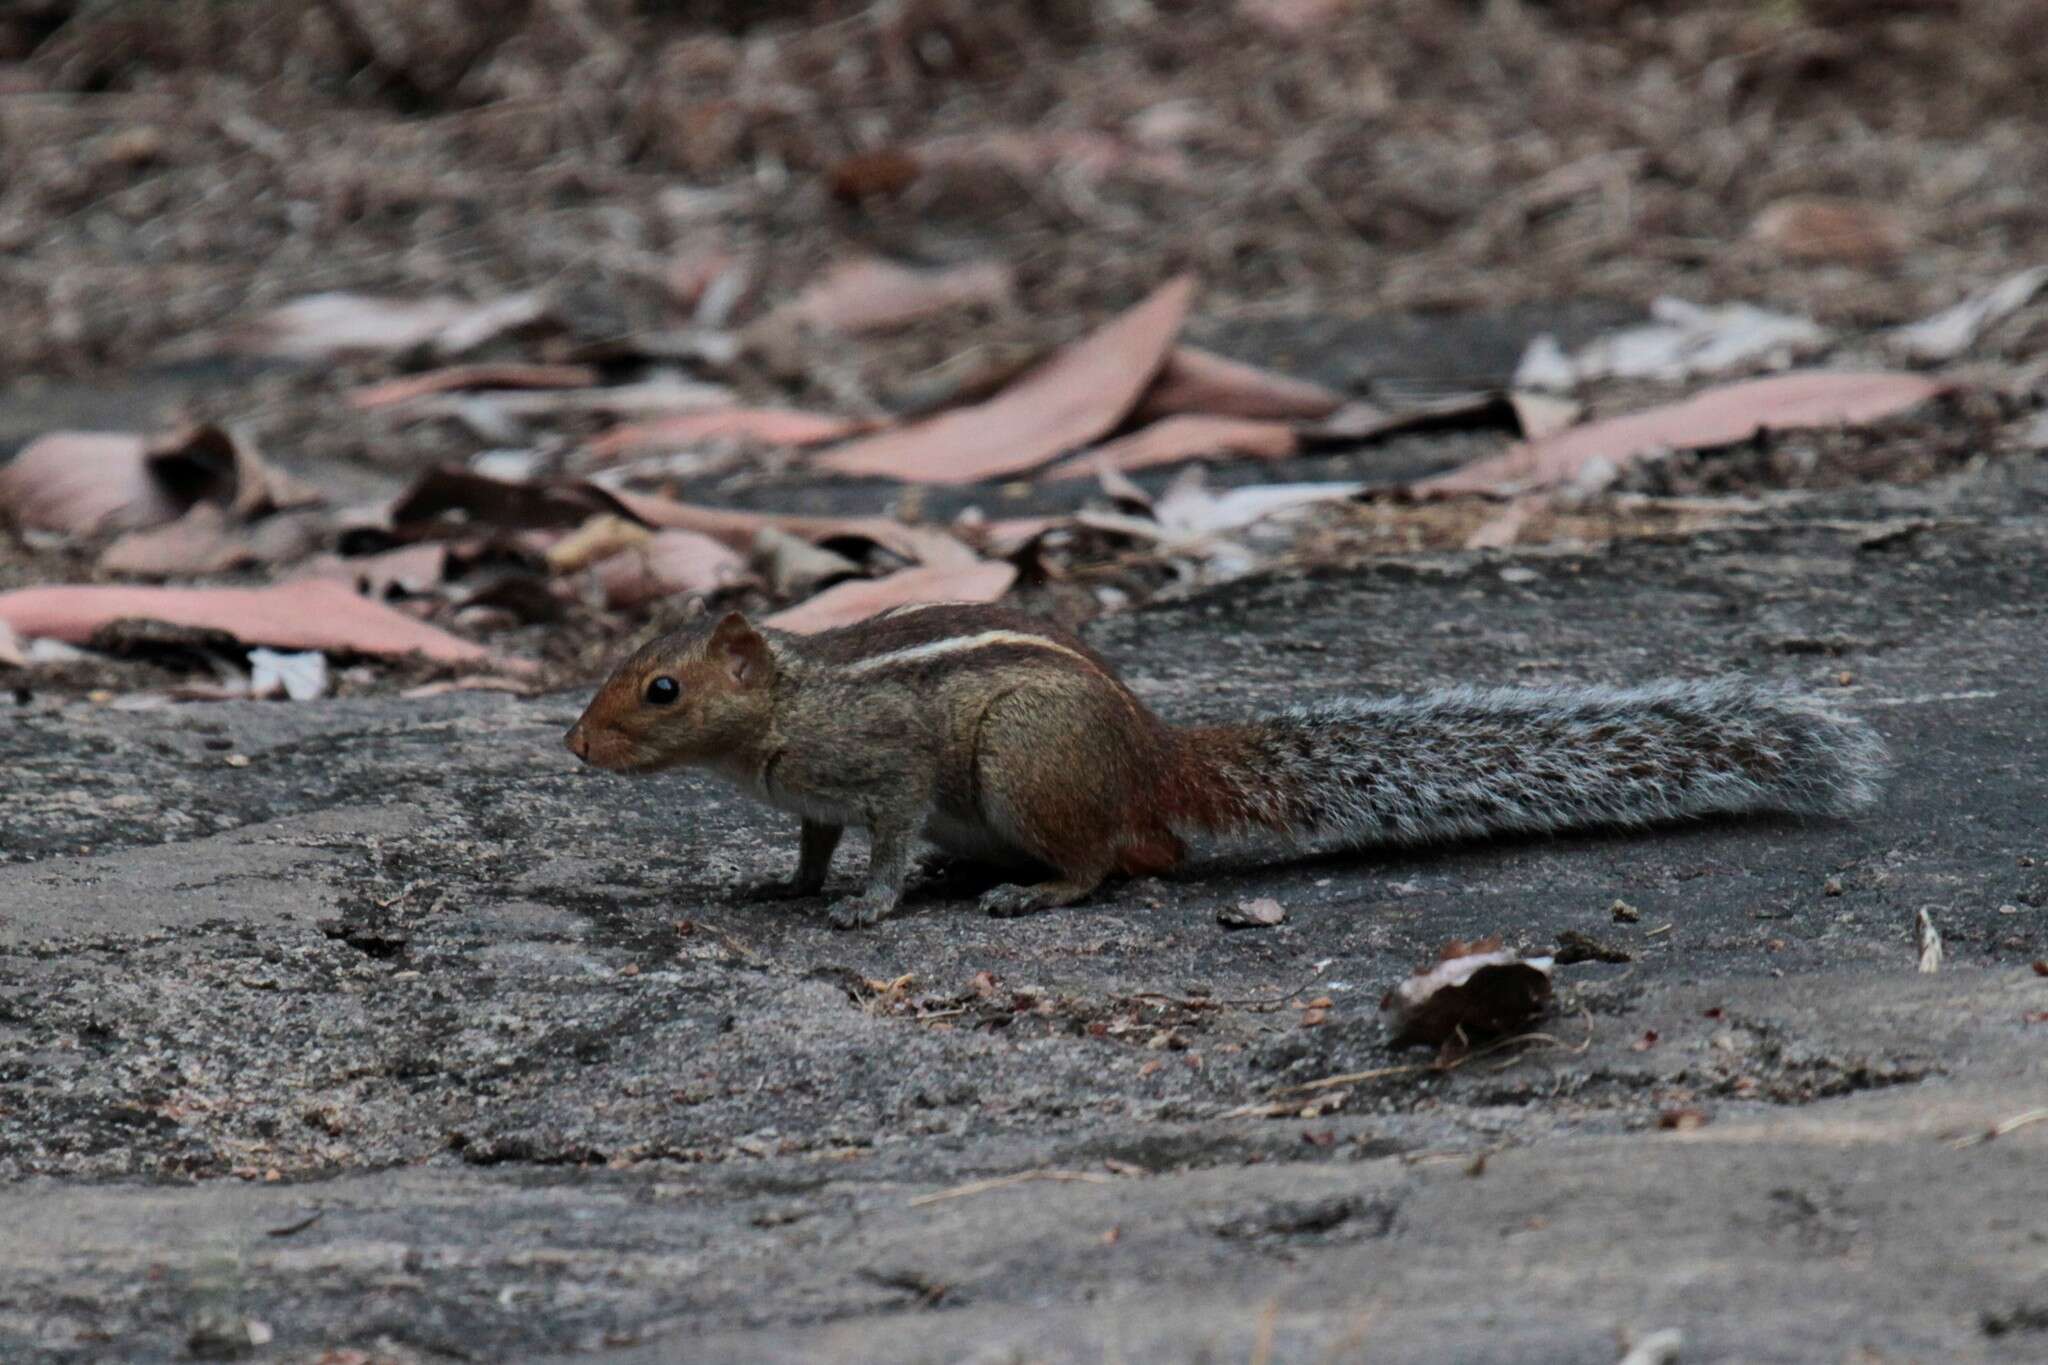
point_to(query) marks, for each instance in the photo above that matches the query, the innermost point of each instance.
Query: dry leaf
(1474, 990)
(1263, 913)
(1198, 381)
(1082, 393)
(1682, 340)
(1714, 417)
(670, 563)
(89, 482)
(858, 600)
(875, 295)
(767, 426)
(307, 614)
(328, 326)
(452, 378)
(205, 541)
(10, 648)
(1172, 440)
(599, 538)
(1823, 228)
(408, 571)
(914, 544)
(1953, 331)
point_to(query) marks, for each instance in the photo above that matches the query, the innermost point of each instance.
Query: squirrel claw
(854, 912)
(1008, 902)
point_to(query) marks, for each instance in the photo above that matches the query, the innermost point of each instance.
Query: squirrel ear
(736, 644)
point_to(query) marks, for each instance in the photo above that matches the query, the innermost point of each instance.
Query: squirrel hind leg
(1057, 778)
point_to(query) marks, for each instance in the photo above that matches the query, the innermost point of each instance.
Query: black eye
(663, 691)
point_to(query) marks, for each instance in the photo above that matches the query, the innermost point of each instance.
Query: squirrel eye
(663, 691)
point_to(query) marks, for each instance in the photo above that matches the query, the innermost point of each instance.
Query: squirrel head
(700, 695)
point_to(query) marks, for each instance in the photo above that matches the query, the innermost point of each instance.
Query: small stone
(1263, 913)
(236, 760)
(1831, 887)
(2008, 909)
(1624, 913)
(1515, 573)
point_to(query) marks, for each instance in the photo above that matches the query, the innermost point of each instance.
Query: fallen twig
(998, 1182)
(2001, 1128)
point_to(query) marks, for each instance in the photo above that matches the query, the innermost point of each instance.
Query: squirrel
(1003, 739)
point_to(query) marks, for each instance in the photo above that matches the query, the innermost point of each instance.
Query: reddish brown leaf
(89, 482)
(307, 614)
(862, 598)
(1822, 228)
(1174, 439)
(1683, 1120)
(875, 295)
(452, 378)
(1076, 397)
(1194, 380)
(1717, 416)
(888, 171)
(767, 426)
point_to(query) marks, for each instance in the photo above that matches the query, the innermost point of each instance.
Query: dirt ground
(375, 1029)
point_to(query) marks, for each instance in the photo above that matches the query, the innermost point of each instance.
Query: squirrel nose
(578, 744)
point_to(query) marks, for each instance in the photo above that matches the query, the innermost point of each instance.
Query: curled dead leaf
(1474, 990)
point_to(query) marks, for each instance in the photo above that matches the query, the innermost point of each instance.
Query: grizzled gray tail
(1469, 762)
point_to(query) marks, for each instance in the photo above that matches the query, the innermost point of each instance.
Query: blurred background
(855, 214)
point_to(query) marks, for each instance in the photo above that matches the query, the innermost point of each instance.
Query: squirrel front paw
(856, 912)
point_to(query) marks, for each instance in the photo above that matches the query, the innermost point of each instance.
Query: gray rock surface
(411, 1038)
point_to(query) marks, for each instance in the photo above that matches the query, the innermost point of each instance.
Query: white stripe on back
(961, 644)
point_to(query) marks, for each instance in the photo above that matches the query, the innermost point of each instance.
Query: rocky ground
(376, 1029)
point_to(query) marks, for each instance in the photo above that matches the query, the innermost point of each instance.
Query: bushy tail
(1467, 762)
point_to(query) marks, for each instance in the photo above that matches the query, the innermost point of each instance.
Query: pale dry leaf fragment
(1656, 1348)
(1504, 527)
(1952, 331)
(794, 566)
(331, 325)
(1077, 396)
(300, 676)
(1717, 416)
(1262, 913)
(11, 655)
(1683, 339)
(1197, 381)
(1474, 990)
(599, 538)
(1189, 506)
(875, 295)
(1539, 415)
(306, 614)
(1173, 440)
(1928, 938)
(858, 600)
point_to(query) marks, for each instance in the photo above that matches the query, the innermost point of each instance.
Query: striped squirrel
(1003, 739)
